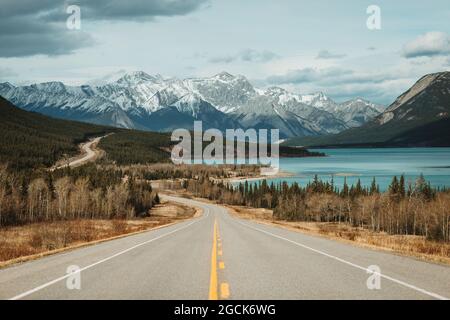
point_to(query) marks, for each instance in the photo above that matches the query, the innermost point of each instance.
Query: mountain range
(33, 141)
(138, 100)
(418, 117)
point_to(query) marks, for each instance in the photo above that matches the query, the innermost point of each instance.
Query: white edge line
(45, 285)
(410, 286)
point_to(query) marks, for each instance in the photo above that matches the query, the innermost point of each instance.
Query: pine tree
(373, 187)
(345, 189)
(359, 189)
(402, 187)
(394, 187)
(315, 185)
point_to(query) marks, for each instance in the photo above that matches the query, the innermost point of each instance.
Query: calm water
(365, 164)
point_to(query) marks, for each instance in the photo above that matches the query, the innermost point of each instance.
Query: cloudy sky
(304, 46)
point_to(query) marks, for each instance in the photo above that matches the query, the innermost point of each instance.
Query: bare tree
(63, 187)
(37, 198)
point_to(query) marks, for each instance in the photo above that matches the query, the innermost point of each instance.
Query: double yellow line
(214, 283)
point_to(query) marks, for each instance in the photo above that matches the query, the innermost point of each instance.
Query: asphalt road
(218, 256)
(88, 153)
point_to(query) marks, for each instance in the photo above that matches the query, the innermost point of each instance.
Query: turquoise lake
(365, 164)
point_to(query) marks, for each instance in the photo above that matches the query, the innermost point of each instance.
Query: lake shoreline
(279, 175)
(364, 164)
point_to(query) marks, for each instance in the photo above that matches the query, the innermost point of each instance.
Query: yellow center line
(224, 290)
(221, 265)
(213, 294)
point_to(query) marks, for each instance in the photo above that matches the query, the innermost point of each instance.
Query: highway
(88, 154)
(218, 256)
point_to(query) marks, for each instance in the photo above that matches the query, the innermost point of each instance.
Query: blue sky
(304, 46)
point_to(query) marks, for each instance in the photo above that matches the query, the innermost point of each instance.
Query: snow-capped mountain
(324, 121)
(318, 100)
(353, 113)
(142, 101)
(74, 103)
(225, 91)
(356, 112)
(263, 111)
(420, 117)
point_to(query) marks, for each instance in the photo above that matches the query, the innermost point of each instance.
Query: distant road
(88, 151)
(218, 256)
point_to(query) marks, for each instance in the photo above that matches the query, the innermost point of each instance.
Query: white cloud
(247, 55)
(326, 54)
(379, 82)
(427, 45)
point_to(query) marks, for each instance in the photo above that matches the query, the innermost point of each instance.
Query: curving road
(88, 152)
(218, 256)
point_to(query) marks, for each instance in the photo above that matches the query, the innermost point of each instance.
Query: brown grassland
(25, 242)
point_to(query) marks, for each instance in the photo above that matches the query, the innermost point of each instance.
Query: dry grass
(415, 246)
(40, 238)
(174, 211)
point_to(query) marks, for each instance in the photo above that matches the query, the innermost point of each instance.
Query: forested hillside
(30, 140)
(136, 147)
(29, 193)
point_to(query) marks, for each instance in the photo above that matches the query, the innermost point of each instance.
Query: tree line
(404, 209)
(88, 192)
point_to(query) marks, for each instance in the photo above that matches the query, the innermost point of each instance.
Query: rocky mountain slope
(417, 117)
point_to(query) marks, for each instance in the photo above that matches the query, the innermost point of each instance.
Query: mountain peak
(225, 76)
(317, 99)
(53, 86)
(273, 91)
(433, 80)
(321, 96)
(357, 100)
(138, 77)
(7, 85)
